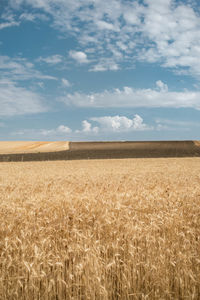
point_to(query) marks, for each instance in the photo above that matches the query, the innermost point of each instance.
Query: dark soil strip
(118, 150)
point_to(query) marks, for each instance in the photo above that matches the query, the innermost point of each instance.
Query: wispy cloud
(52, 60)
(20, 69)
(32, 17)
(105, 65)
(60, 131)
(16, 96)
(130, 97)
(16, 100)
(9, 20)
(8, 24)
(177, 123)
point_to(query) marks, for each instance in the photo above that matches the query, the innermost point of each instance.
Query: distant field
(39, 151)
(32, 147)
(100, 229)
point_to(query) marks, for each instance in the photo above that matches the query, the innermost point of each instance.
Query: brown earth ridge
(63, 150)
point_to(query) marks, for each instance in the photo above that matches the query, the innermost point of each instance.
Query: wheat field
(100, 229)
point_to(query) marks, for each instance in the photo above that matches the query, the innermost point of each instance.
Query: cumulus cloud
(16, 100)
(121, 123)
(106, 124)
(130, 97)
(79, 56)
(87, 128)
(162, 86)
(115, 124)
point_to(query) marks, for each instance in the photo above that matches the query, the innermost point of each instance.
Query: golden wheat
(113, 229)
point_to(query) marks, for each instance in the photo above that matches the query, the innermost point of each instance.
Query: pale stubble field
(100, 229)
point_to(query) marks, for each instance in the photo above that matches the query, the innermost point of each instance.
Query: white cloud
(175, 123)
(27, 17)
(8, 24)
(59, 131)
(175, 32)
(52, 60)
(115, 124)
(66, 82)
(9, 20)
(87, 128)
(105, 65)
(121, 123)
(106, 124)
(132, 16)
(79, 56)
(130, 97)
(63, 129)
(31, 17)
(17, 97)
(167, 32)
(16, 100)
(162, 86)
(105, 26)
(20, 69)
(41, 84)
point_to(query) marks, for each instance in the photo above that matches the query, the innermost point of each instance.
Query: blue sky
(99, 70)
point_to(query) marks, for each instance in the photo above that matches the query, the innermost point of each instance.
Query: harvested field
(32, 147)
(165, 145)
(39, 151)
(100, 229)
(110, 150)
